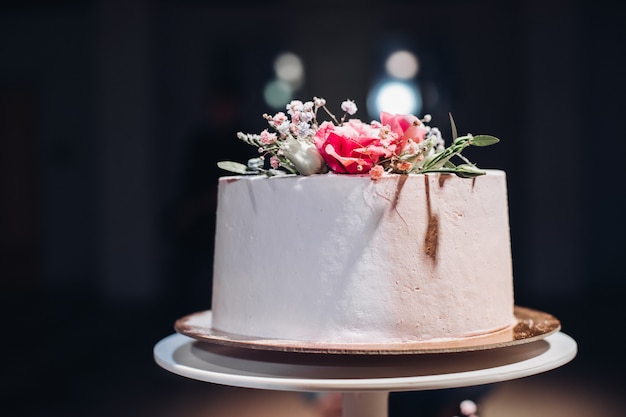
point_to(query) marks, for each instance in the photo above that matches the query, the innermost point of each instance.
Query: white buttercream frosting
(347, 259)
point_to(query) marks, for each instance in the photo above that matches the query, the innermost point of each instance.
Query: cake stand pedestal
(365, 381)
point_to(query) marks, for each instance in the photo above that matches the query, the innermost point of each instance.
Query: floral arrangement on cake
(298, 143)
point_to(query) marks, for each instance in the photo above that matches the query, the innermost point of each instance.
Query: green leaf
(235, 167)
(484, 140)
(438, 160)
(461, 142)
(468, 171)
(453, 126)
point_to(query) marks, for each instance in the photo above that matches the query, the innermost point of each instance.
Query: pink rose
(351, 148)
(404, 127)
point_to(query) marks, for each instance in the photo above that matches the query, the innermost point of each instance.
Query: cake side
(347, 259)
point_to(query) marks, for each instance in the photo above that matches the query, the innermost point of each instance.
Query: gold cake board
(532, 325)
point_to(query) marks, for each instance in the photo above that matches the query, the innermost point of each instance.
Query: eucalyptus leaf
(468, 171)
(235, 167)
(453, 126)
(441, 162)
(484, 140)
(434, 161)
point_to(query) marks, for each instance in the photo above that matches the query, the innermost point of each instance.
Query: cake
(364, 239)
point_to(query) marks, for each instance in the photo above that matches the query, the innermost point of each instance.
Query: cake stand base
(365, 381)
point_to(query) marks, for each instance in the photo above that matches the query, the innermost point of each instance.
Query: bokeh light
(277, 94)
(402, 64)
(392, 96)
(290, 69)
(289, 73)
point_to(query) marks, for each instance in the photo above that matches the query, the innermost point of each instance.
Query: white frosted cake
(348, 259)
(373, 235)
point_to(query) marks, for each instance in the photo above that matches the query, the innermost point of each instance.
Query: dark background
(109, 135)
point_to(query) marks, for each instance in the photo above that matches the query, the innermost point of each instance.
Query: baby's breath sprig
(348, 106)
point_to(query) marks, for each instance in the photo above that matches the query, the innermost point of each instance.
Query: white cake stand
(364, 380)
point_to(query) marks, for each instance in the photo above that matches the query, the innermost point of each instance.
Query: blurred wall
(105, 103)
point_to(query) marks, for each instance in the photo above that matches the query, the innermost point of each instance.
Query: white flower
(307, 116)
(304, 155)
(284, 128)
(434, 135)
(294, 106)
(319, 102)
(349, 107)
(303, 129)
(412, 148)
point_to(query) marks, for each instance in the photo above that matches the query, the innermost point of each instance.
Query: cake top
(299, 143)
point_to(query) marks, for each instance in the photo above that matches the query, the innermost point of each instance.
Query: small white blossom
(283, 128)
(294, 106)
(303, 129)
(349, 107)
(307, 116)
(435, 134)
(319, 102)
(412, 148)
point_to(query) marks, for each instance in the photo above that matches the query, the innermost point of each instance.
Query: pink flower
(267, 137)
(274, 162)
(403, 127)
(404, 166)
(279, 118)
(351, 148)
(376, 172)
